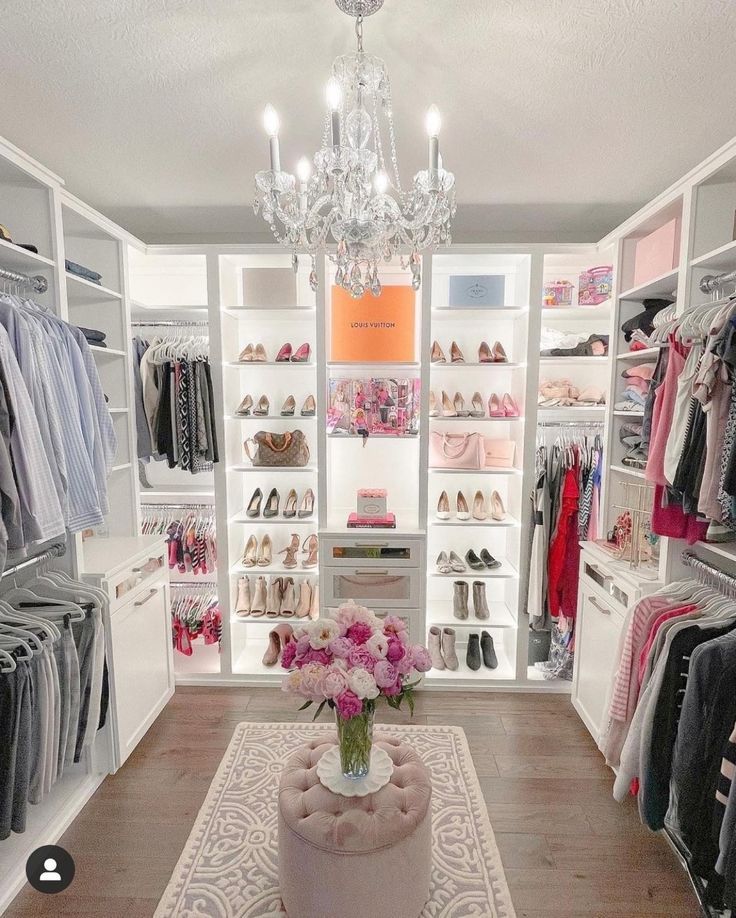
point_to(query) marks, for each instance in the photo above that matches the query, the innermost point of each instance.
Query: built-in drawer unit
(377, 587)
(367, 550)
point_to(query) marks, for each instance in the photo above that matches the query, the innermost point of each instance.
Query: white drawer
(370, 550)
(412, 617)
(595, 576)
(372, 586)
(127, 584)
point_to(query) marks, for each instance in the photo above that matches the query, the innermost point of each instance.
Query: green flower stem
(355, 737)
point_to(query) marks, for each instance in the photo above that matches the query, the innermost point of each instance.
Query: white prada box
(371, 506)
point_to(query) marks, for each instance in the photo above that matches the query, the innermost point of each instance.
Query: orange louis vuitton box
(373, 328)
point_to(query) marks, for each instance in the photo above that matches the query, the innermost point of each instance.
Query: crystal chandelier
(351, 193)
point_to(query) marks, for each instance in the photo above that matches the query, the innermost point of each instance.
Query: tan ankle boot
(305, 599)
(435, 650)
(258, 605)
(448, 649)
(314, 605)
(242, 604)
(288, 597)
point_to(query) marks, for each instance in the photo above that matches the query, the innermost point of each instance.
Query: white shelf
(118, 410)
(190, 577)
(242, 520)
(81, 290)
(413, 438)
(600, 313)
(478, 313)
(505, 572)
(275, 570)
(664, 285)
(250, 364)
(271, 621)
(628, 414)
(483, 471)
(439, 615)
(181, 494)
(249, 662)
(570, 413)
(722, 549)
(642, 354)
(511, 420)
(465, 677)
(266, 470)
(275, 313)
(121, 467)
(107, 351)
(721, 259)
(575, 361)
(508, 523)
(375, 366)
(271, 417)
(623, 470)
(14, 258)
(468, 365)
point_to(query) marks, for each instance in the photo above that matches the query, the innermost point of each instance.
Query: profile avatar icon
(50, 874)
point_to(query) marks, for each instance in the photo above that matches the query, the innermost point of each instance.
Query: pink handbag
(456, 451)
(499, 454)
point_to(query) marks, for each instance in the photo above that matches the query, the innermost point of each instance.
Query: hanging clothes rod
(725, 582)
(210, 507)
(569, 423)
(53, 551)
(170, 323)
(712, 282)
(37, 282)
(209, 585)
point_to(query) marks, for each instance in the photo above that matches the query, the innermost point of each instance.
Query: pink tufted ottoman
(355, 857)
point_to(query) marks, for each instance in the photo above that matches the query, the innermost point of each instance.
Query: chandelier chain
(359, 31)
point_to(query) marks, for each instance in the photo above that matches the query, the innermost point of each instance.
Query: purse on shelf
(456, 451)
(289, 449)
(499, 454)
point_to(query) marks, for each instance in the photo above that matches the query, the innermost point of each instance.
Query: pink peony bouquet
(352, 660)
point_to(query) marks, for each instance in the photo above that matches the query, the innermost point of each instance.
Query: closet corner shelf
(574, 361)
(623, 470)
(250, 364)
(107, 351)
(720, 259)
(14, 258)
(439, 615)
(505, 572)
(79, 290)
(664, 285)
(642, 354)
(509, 522)
(599, 313)
(468, 365)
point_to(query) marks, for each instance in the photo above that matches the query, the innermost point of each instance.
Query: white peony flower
(363, 683)
(378, 645)
(322, 632)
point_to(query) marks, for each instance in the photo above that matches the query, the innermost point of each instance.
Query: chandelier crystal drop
(350, 193)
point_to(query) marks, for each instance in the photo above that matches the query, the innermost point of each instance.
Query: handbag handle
(279, 449)
(459, 449)
(247, 448)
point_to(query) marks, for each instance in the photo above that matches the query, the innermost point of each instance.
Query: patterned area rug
(229, 866)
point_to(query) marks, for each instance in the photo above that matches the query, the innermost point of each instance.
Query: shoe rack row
(279, 597)
(259, 553)
(256, 353)
(293, 507)
(443, 650)
(262, 408)
(499, 406)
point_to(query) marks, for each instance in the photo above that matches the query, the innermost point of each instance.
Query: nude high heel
(456, 355)
(309, 408)
(436, 355)
(495, 409)
(305, 599)
(459, 403)
(250, 552)
(311, 551)
(484, 353)
(273, 599)
(242, 604)
(443, 507)
(244, 407)
(314, 605)
(479, 508)
(306, 508)
(510, 408)
(262, 408)
(258, 605)
(448, 409)
(290, 551)
(498, 511)
(499, 354)
(259, 353)
(463, 512)
(434, 411)
(478, 410)
(246, 355)
(288, 597)
(290, 505)
(289, 407)
(265, 555)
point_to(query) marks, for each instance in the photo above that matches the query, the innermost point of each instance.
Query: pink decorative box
(371, 503)
(657, 253)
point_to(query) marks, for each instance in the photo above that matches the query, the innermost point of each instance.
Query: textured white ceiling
(560, 117)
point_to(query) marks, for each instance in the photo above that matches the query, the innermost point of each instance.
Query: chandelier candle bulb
(271, 124)
(434, 123)
(334, 98)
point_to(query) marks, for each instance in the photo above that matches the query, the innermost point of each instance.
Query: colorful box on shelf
(657, 253)
(369, 329)
(372, 503)
(477, 290)
(557, 293)
(595, 286)
(374, 406)
(365, 522)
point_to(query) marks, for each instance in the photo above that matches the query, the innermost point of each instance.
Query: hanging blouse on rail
(177, 403)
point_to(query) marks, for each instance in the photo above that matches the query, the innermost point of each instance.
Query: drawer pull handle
(142, 602)
(371, 572)
(370, 545)
(596, 605)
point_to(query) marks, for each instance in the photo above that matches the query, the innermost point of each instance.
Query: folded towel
(87, 273)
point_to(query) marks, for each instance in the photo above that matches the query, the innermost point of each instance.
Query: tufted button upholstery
(354, 824)
(366, 857)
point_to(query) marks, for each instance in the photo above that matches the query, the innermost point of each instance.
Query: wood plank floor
(568, 849)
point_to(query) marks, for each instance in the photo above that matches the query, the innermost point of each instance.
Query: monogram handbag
(456, 451)
(269, 450)
(499, 454)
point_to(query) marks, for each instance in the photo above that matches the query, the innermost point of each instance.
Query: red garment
(671, 520)
(563, 557)
(664, 617)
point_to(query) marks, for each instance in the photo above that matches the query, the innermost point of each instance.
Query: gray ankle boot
(479, 600)
(460, 600)
(435, 651)
(448, 648)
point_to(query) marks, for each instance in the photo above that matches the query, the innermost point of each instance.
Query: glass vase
(355, 738)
